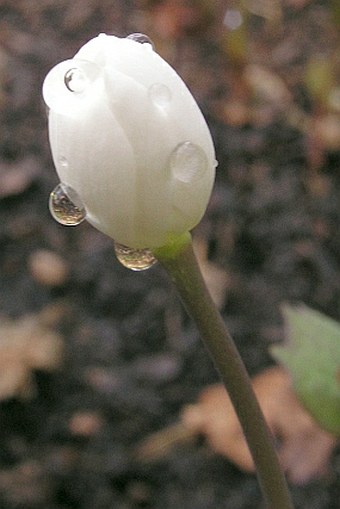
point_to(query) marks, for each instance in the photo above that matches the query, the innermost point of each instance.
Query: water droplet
(142, 39)
(74, 75)
(188, 162)
(75, 80)
(134, 259)
(65, 205)
(63, 162)
(160, 95)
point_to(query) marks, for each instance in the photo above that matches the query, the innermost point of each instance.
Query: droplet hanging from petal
(134, 259)
(65, 206)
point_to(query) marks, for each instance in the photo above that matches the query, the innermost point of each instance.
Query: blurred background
(93, 357)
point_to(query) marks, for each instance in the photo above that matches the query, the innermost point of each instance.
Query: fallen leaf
(327, 131)
(85, 423)
(26, 344)
(267, 85)
(268, 9)
(48, 268)
(304, 448)
(216, 278)
(173, 19)
(159, 444)
(18, 177)
(311, 353)
(25, 484)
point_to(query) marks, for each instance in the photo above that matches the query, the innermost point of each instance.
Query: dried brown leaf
(26, 344)
(216, 278)
(18, 177)
(48, 268)
(267, 85)
(304, 448)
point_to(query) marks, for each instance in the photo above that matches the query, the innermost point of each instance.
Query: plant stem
(180, 262)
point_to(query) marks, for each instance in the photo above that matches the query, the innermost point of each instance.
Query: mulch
(132, 358)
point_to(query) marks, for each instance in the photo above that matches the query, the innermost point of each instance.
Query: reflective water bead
(134, 259)
(160, 94)
(188, 162)
(75, 80)
(141, 38)
(63, 162)
(75, 76)
(65, 206)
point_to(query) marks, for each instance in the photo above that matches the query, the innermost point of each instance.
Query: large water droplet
(134, 259)
(75, 76)
(188, 162)
(160, 95)
(75, 80)
(65, 205)
(142, 39)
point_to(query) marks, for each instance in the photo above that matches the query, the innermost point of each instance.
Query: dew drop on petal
(134, 259)
(68, 83)
(65, 206)
(75, 80)
(160, 94)
(188, 162)
(142, 39)
(63, 162)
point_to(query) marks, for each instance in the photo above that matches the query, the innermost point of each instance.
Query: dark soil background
(132, 358)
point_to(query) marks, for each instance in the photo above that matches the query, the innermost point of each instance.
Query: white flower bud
(130, 141)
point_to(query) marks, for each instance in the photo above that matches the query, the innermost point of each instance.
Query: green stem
(180, 262)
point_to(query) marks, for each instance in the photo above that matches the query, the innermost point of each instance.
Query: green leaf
(311, 353)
